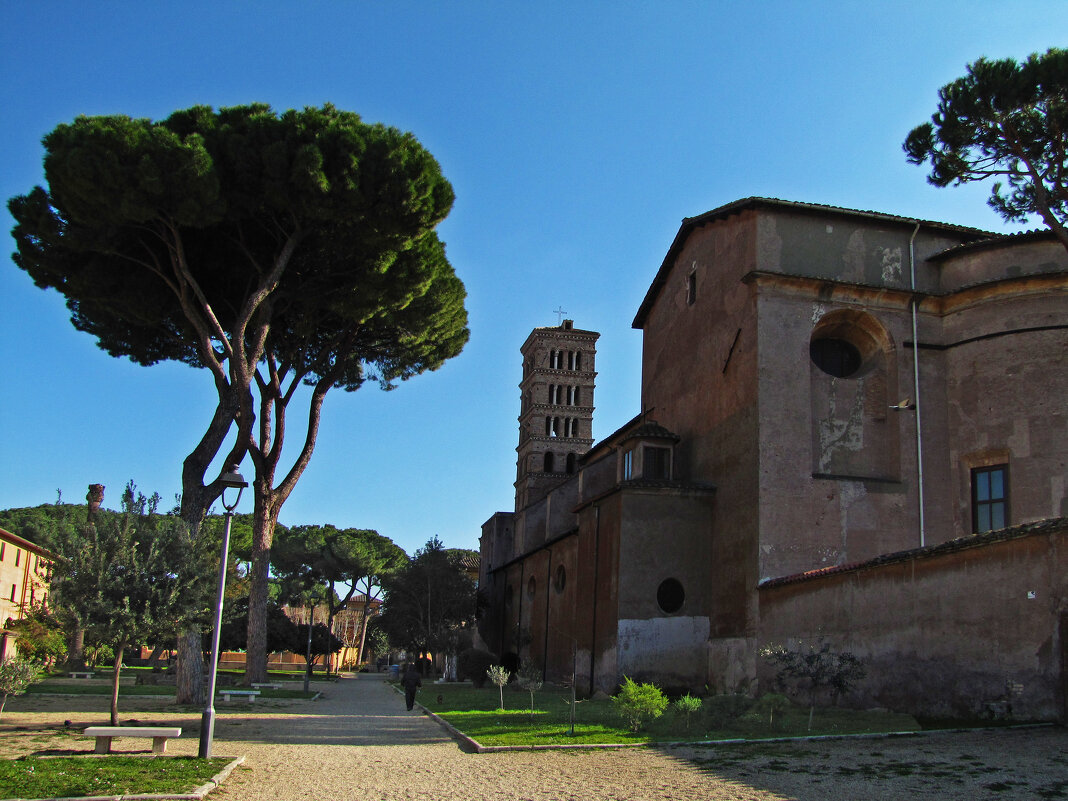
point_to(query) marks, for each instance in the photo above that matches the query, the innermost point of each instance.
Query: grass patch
(475, 713)
(36, 777)
(127, 690)
(55, 688)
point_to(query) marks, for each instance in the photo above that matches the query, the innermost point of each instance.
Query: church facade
(852, 430)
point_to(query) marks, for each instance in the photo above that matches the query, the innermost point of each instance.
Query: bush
(16, 674)
(637, 702)
(499, 675)
(530, 679)
(472, 664)
(687, 705)
(769, 706)
(813, 667)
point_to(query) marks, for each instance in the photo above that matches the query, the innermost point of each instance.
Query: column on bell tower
(556, 408)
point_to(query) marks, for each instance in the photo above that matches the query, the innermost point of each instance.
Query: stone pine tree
(346, 562)
(1005, 121)
(428, 602)
(132, 578)
(267, 249)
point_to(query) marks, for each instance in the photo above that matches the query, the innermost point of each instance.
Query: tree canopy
(133, 578)
(1008, 121)
(429, 602)
(273, 250)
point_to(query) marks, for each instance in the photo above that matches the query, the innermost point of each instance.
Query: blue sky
(576, 135)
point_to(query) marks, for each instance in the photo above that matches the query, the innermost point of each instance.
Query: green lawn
(127, 690)
(34, 777)
(476, 714)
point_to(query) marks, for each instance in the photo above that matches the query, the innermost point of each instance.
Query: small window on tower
(691, 288)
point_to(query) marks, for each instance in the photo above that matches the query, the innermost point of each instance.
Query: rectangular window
(18, 555)
(2, 545)
(691, 288)
(990, 498)
(628, 465)
(657, 463)
(12, 592)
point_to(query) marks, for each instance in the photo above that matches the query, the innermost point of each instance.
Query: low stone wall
(976, 627)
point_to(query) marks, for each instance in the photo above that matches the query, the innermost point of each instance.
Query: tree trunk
(154, 657)
(264, 519)
(116, 675)
(363, 626)
(76, 647)
(190, 669)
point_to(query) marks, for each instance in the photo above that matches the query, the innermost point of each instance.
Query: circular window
(670, 596)
(835, 357)
(561, 579)
(532, 585)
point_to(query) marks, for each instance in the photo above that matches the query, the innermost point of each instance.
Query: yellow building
(25, 570)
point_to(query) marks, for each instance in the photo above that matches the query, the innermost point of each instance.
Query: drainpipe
(916, 381)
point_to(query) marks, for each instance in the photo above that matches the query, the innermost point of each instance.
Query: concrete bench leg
(159, 745)
(103, 745)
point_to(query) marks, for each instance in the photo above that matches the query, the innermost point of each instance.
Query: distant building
(25, 572)
(853, 428)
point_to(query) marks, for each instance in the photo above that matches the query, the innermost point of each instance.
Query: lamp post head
(231, 479)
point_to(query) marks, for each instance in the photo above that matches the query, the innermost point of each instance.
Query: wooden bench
(81, 674)
(250, 694)
(105, 734)
(260, 685)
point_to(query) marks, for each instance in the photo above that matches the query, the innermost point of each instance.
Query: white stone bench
(250, 694)
(81, 674)
(259, 685)
(159, 734)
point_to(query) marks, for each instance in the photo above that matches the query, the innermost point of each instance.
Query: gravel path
(358, 742)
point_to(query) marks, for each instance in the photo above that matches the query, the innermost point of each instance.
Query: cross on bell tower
(556, 407)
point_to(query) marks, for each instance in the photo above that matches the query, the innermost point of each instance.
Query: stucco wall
(943, 633)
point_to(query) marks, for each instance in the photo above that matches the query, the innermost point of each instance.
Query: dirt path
(358, 742)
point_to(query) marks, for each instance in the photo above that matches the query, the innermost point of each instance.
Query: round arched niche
(847, 343)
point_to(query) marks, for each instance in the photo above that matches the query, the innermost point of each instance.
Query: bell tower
(556, 408)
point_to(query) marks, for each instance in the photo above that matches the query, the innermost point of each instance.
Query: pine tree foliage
(1007, 121)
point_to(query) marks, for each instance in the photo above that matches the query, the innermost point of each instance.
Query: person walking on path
(411, 682)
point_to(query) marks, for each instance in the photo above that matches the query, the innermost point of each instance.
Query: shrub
(637, 702)
(815, 667)
(725, 709)
(499, 675)
(769, 705)
(472, 664)
(16, 674)
(530, 679)
(687, 705)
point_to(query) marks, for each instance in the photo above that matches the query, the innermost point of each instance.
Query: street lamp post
(231, 479)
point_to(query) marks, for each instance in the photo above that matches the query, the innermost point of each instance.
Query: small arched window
(561, 579)
(547, 462)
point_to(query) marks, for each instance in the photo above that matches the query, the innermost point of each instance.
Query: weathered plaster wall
(943, 633)
(699, 381)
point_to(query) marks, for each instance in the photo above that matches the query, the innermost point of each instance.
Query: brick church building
(852, 429)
